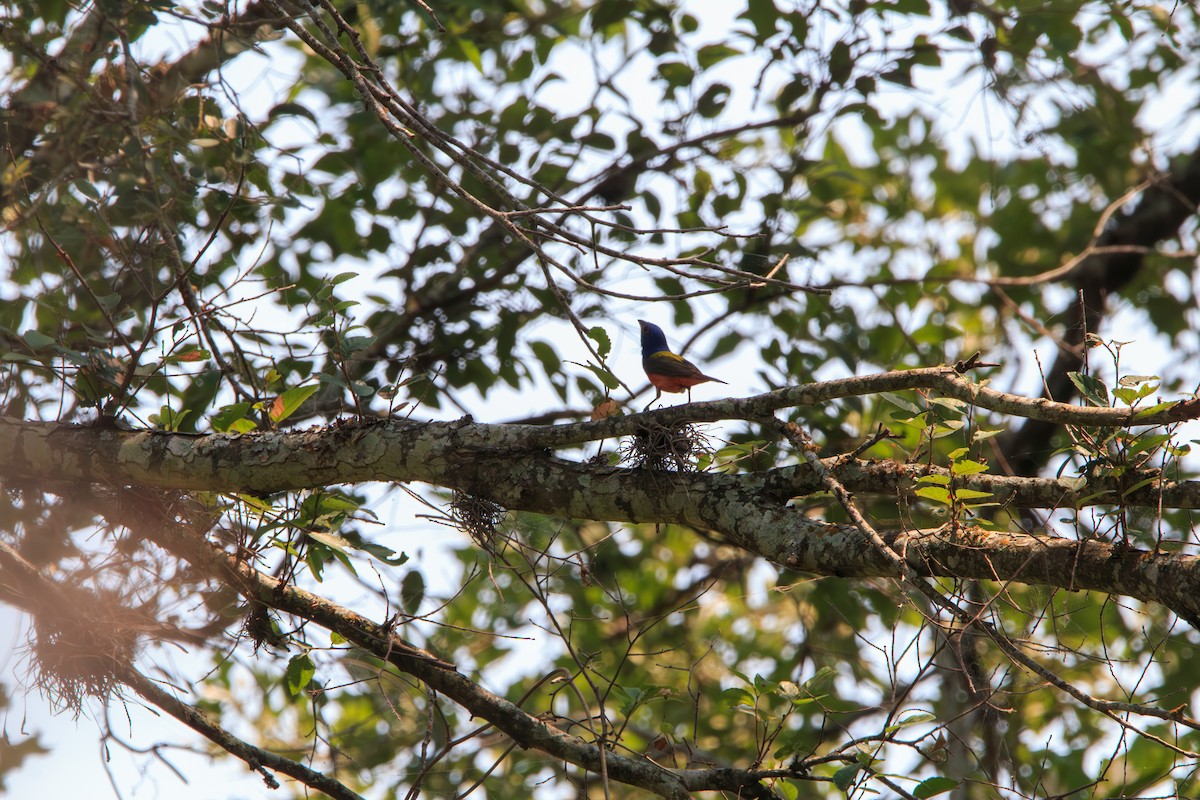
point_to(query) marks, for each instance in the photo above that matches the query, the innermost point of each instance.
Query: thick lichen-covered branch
(752, 511)
(448, 453)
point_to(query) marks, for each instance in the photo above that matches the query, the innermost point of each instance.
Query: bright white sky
(75, 768)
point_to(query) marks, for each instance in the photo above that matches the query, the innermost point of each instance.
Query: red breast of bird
(669, 372)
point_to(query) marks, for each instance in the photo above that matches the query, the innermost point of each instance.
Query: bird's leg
(657, 394)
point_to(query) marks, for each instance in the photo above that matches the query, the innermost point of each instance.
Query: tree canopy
(276, 274)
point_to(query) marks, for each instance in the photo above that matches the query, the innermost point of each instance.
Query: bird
(667, 371)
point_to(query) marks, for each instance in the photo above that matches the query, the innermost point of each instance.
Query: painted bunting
(667, 371)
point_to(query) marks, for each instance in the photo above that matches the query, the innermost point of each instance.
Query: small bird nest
(80, 651)
(669, 448)
(476, 517)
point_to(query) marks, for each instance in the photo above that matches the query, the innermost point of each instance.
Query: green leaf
(227, 416)
(947, 428)
(676, 73)
(844, 777)
(712, 102)
(1126, 396)
(968, 467)
(87, 190)
(712, 54)
(168, 419)
(188, 355)
(736, 696)
(36, 340)
(934, 786)
(950, 403)
(332, 540)
(940, 480)
(791, 742)
(291, 109)
(385, 554)
(786, 789)
(546, 354)
(1139, 485)
(286, 404)
(316, 557)
(412, 591)
(821, 683)
(602, 340)
(611, 12)
(76, 358)
(1091, 389)
(764, 16)
(902, 402)
(1147, 441)
(631, 697)
(916, 718)
(352, 344)
(1155, 409)
(607, 378)
(934, 493)
(299, 674)
(599, 141)
(470, 51)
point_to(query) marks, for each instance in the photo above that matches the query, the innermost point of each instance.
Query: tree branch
(158, 88)
(504, 464)
(434, 452)
(1121, 255)
(525, 729)
(256, 758)
(26, 587)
